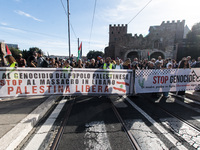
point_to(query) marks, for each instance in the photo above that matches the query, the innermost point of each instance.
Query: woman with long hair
(11, 61)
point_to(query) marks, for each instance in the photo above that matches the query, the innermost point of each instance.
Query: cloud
(124, 10)
(4, 23)
(11, 29)
(27, 15)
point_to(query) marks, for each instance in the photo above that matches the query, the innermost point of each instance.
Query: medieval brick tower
(162, 40)
(115, 33)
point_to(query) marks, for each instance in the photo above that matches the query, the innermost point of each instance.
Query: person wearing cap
(21, 61)
(11, 61)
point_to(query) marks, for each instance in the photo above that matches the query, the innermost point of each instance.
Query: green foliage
(27, 53)
(15, 52)
(94, 54)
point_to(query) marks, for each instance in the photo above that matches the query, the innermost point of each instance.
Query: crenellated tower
(115, 32)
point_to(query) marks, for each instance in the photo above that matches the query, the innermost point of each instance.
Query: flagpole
(68, 28)
(78, 43)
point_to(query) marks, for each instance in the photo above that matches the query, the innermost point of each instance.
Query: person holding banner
(32, 60)
(67, 64)
(11, 61)
(118, 65)
(108, 64)
(80, 64)
(127, 64)
(101, 62)
(166, 94)
(183, 64)
(92, 64)
(21, 61)
(198, 63)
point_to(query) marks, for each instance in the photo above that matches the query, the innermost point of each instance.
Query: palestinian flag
(79, 51)
(148, 56)
(8, 52)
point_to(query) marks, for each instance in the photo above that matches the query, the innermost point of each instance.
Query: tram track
(193, 130)
(72, 123)
(184, 128)
(88, 127)
(129, 134)
(190, 101)
(57, 139)
(179, 118)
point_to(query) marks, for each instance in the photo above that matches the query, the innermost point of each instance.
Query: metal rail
(56, 141)
(178, 117)
(130, 136)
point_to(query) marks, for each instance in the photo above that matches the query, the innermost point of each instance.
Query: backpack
(44, 64)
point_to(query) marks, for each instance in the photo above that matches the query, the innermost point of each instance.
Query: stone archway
(131, 54)
(156, 54)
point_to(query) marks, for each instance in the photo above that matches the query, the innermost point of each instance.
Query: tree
(27, 53)
(15, 51)
(94, 54)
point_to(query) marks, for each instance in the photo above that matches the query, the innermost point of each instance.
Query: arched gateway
(156, 54)
(131, 54)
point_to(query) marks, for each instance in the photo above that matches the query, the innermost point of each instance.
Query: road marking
(96, 136)
(197, 118)
(145, 137)
(39, 137)
(192, 136)
(159, 127)
(16, 135)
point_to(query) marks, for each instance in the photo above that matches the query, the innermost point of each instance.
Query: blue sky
(43, 23)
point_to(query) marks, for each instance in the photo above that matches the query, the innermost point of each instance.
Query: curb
(15, 136)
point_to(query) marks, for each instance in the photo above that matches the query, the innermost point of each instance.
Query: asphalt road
(93, 125)
(12, 111)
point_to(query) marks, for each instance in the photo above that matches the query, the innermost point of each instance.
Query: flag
(79, 51)
(148, 56)
(8, 51)
(121, 86)
(99, 57)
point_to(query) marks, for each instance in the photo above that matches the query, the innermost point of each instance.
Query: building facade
(162, 41)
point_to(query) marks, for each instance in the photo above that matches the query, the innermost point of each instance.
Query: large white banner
(165, 80)
(47, 81)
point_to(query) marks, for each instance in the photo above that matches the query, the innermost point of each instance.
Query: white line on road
(159, 127)
(39, 137)
(16, 135)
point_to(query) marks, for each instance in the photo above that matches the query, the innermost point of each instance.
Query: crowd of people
(37, 60)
